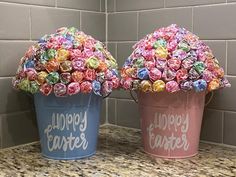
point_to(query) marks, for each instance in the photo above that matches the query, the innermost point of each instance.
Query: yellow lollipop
(161, 52)
(62, 55)
(41, 77)
(146, 86)
(158, 86)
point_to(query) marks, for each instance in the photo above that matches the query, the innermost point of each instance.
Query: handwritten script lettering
(66, 122)
(173, 124)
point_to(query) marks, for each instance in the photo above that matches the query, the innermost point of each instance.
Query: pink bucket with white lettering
(171, 123)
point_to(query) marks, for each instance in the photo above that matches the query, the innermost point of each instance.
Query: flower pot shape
(68, 126)
(171, 123)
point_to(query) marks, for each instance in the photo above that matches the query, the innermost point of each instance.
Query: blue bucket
(68, 126)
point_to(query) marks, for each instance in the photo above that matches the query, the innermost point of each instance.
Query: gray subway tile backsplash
(215, 22)
(112, 49)
(91, 5)
(110, 5)
(14, 21)
(151, 20)
(231, 1)
(18, 128)
(124, 50)
(94, 24)
(122, 26)
(112, 111)
(176, 3)
(12, 100)
(51, 19)
(103, 5)
(34, 2)
(103, 112)
(127, 113)
(231, 58)
(212, 129)
(127, 22)
(9, 60)
(224, 99)
(130, 5)
(120, 94)
(229, 128)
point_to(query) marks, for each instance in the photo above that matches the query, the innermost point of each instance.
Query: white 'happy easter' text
(172, 123)
(61, 122)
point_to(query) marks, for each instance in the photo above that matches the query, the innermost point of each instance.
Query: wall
(212, 20)
(22, 22)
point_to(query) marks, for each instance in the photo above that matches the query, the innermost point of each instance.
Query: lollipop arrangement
(66, 63)
(172, 59)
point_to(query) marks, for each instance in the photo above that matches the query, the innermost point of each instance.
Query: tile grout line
(16, 112)
(1, 132)
(106, 113)
(30, 24)
(218, 144)
(122, 42)
(106, 23)
(106, 39)
(116, 50)
(222, 110)
(49, 7)
(24, 4)
(222, 127)
(226, 57)
(100, 5)
(27, 40)
(80, 21)
(178, 7)
(55, 3)
(116, 122)
(124, 99)
(147, 10)
(214, 40)
(17, 40)
(232, 39)
(164, 4)
(6, 77)
(230, 76)
(169, 8)
(137, 26)
(144, 10)
(114, 6)
(192, 21)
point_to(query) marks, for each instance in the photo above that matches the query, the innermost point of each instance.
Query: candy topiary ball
(66, 63)
(172, 59)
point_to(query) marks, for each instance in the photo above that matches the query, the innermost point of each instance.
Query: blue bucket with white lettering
(68, 126)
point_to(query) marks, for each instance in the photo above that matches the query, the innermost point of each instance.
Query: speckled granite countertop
(119, 154)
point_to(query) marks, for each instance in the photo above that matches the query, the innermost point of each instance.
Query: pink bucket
(171, 123)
